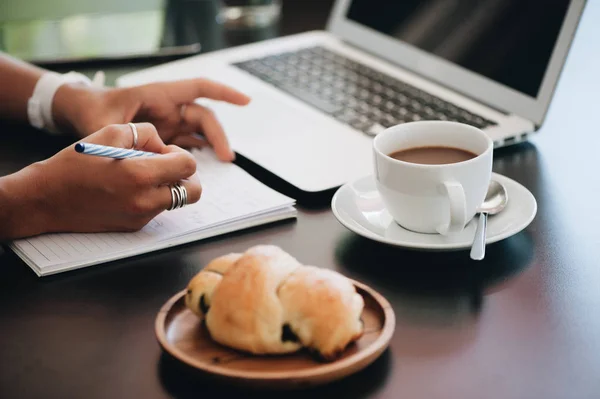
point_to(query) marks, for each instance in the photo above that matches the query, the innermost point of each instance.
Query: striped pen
(110, 152)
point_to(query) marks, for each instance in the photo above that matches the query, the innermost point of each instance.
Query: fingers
(186, 91)
(164, 196)
(202, 119)
(146, 204)
(122, 136)
(190, 141)
(149, 180)
(173, 165)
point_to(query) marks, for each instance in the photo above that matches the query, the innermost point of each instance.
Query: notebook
(231, 200)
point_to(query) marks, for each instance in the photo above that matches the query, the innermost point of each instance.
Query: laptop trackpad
(309, 150)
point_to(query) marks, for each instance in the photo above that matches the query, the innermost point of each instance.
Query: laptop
(319, 98)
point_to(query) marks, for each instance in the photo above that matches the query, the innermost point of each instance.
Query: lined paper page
(229, 194)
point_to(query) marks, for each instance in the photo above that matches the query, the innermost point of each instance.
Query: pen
(110, 152)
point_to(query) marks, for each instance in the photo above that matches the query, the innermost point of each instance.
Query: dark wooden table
(524, 323)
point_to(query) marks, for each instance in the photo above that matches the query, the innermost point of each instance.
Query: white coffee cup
(433, 198)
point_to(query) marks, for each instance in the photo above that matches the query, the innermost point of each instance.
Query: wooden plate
(181, 334)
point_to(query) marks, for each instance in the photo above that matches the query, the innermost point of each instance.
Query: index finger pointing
(186, 91)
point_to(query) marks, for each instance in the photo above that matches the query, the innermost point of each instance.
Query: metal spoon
(495, 201)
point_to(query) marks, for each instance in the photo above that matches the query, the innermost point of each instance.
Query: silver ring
(135, 134)
(179, 197)
(175, 198)
(182, 112)
(183, 196)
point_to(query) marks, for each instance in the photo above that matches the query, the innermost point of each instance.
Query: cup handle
(458, 208)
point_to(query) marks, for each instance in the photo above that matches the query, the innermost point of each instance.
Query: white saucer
(358, 207)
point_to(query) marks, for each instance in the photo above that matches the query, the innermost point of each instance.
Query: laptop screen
(508, 41)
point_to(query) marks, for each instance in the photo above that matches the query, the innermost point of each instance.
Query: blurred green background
(41, 30)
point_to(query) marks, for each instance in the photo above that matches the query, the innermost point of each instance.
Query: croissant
(265, 302)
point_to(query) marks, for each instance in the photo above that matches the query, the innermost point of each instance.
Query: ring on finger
(135, 134)
(175, 200)
(179, 197)
(182, 195)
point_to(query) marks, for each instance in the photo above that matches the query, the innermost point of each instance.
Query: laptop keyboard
(353, 93)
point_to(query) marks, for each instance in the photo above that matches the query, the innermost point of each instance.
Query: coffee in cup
(433, 155)
(433, 175)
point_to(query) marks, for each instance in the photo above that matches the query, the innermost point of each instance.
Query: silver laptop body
(493, 63)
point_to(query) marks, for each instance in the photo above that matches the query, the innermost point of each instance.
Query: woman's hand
(73, 192)
(167, 105)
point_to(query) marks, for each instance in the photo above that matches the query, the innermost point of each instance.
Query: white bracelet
(39, 106)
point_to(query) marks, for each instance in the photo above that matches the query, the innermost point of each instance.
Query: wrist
(23, 211)
(40, 110)
(69, 107)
